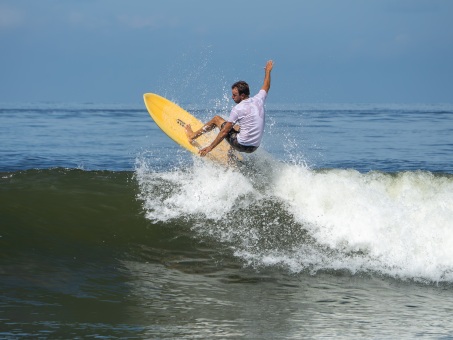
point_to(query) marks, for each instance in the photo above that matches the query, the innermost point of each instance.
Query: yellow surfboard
(172, 119)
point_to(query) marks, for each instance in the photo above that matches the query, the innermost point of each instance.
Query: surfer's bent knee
(218, 121)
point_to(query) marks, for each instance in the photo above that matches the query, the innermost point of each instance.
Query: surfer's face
(236, 96)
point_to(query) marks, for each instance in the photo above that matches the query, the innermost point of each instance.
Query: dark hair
(242, 86)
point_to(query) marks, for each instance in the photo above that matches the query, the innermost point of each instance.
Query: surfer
(244, 128)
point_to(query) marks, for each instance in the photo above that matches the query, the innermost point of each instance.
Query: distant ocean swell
(276, 214)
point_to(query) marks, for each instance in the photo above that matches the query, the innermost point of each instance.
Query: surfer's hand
(203, 152)
(269, 66)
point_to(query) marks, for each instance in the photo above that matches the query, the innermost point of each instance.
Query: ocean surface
(339, 226)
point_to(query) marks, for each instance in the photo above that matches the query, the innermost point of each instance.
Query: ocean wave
(272, 213)
(265, 213)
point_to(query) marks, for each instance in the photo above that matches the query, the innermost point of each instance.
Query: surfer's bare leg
(215, 122)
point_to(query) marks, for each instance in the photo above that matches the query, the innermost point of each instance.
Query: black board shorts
(232, 139)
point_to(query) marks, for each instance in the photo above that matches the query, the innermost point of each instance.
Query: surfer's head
(240, 91)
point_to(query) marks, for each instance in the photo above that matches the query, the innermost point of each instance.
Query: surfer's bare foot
(189, 132)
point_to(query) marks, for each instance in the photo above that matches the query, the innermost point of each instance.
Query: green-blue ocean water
(339, 226)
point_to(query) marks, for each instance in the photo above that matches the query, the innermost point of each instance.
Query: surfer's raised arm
(267, 76)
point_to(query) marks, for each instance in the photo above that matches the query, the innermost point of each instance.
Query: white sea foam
(403, 223)
(205, 189)
(276, 214)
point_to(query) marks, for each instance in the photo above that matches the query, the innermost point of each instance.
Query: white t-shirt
(249, 114)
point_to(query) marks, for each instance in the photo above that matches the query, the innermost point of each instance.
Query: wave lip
(399, 224)
(275, 214)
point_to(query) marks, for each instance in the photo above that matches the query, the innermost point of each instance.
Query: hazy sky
(104, 51)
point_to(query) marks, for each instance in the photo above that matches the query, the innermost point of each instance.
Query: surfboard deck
(172, 119)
